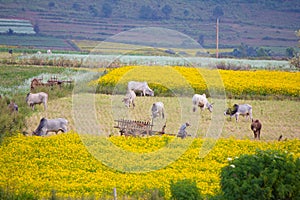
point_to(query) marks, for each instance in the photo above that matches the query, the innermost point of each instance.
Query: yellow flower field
(164, 79)
(61, 163)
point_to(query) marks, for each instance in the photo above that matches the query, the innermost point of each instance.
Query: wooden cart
(36, 82)
(138, 128)
(134, 128)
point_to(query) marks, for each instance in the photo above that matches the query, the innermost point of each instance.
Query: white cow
(37, 98)
(202, 102)
(158, 110)
(243, 109)
(129, 98)
(140, 87)
(49, 51)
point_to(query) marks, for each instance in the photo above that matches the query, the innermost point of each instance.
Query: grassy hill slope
(255, 23)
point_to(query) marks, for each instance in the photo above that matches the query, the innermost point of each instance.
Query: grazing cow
(39, 53)
(158, 110)
(202, 102)
(37, 98)
(129, 99)
(51, 125)
(256, 127)
(140, 87)
(243, 109)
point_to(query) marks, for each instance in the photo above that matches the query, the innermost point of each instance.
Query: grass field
(277, 117)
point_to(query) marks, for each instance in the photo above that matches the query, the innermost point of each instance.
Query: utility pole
(217, 39)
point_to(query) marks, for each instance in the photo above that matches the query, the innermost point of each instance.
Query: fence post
(115, 193)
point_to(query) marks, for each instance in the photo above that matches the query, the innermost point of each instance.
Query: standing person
(182, 133)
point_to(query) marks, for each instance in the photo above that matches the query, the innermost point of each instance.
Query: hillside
(255, 23)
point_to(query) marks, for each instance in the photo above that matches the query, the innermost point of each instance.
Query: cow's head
(228, 111)
(231, 111)
(210, 107)
(126, 101)
(149, 92)
(34, 133)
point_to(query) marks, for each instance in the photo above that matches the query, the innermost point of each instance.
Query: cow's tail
(45, 101)
(250, 112)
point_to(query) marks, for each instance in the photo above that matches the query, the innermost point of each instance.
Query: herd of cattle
(158, 110)
(197, 100)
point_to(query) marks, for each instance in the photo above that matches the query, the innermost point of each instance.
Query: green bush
(10, 195)
(10, 122)
(185, 190)
(295, 61)
(265, 175)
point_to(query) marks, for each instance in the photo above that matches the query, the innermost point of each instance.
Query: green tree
(36, 28)
(290, 52)
(295, 61)
(51, 4)
(262, 52)
(201, 40)
(106, 10)
(218, 12)
(145, 12)
(93, 10)
(266, 175)
(167, 10)
(76, 6)
(185, 190)
(10, 31)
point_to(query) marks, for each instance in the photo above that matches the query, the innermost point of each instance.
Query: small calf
(256, 127)
(129, 99)
(158, 110)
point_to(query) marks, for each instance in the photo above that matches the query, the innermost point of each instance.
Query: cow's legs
(236, 117)
(255, 135)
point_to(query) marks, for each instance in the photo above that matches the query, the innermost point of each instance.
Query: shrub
(185, 190)
(295, 61)
(11, 195)
(10, 122)
(265, 175)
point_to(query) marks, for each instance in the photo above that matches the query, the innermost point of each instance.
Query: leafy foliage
(185, 190)
(265, 175)
(10, 195)
(295, 61)
(11, 122)
(245, 50)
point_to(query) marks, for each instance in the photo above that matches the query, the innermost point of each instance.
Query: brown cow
(256, 127)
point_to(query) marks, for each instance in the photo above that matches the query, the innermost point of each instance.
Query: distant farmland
(16, 25)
